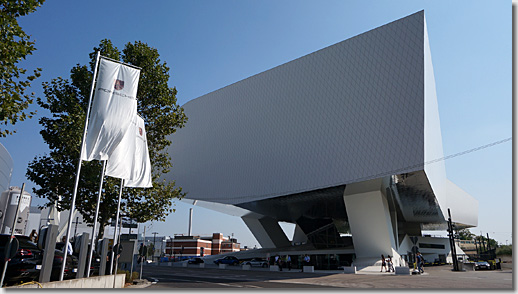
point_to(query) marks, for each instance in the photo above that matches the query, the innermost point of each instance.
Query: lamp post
(154, 243)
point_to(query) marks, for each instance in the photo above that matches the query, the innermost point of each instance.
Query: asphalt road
(438, 277)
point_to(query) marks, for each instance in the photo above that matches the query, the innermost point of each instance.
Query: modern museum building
(344, 142)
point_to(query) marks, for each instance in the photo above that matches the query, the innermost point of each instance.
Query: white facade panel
(436, 171)
(347, 113)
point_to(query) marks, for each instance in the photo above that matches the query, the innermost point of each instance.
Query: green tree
(485, 241)
(67, 100)
(504, 250)
(465, 234)
(150, 250)
(15, 45)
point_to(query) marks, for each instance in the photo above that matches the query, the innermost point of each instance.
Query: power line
(379, 175)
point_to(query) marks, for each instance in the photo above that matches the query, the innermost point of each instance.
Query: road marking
(229, 285)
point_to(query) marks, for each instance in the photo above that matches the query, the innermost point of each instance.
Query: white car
(256, 262)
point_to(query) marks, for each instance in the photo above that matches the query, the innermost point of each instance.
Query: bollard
(402, 270)
(349, 269)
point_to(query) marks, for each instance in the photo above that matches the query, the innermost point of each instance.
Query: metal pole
(12, 235)
(75, 230)
(154, 244)
(452, 243)
(95, 223)
(133, 253)
(78, 172)
(145, 253)
(116, 223)
(190, 222)
(117, 256)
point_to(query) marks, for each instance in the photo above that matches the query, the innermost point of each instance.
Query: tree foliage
(504, 250)
(67, 100)
(465, 234)
(15, 45)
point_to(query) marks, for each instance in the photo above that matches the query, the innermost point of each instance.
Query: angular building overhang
(362, 109)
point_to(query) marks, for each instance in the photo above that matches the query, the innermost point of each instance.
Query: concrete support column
(299, 236)
(370, 221)
(267, 231)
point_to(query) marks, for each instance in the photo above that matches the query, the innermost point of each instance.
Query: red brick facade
(194, 245)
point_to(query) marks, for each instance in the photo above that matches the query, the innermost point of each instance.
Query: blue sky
(211, 44)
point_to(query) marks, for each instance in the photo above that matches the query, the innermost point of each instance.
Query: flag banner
(142, 164)
(114, 106)
(121, 164)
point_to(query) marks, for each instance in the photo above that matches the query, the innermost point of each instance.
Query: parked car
(195, 260)
(232, 260)
(70, 266)
(256, 262)
(482, 265)
(25, 265)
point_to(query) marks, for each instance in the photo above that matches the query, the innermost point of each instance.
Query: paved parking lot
(437, 277)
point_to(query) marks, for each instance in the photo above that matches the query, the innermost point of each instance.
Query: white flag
(142, 164)
(113, 108)
(121, 164)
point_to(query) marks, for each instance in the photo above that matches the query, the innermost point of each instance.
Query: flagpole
(117, 256)
(116, 223)
(72, 206)
(95, 222)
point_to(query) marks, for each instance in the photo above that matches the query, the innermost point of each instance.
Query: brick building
(201, 246)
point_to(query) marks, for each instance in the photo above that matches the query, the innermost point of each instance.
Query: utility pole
(452, 243)
(75, 230)
(190, 222)
(154, 243)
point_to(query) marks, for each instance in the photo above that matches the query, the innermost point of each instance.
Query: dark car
(479, 265)
(232, 260)
(70, 266)
(195, 260)
(25, 265)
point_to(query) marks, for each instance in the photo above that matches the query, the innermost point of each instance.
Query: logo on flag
(119, 85)
(140, 131)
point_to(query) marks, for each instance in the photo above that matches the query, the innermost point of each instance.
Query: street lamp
(154, 244)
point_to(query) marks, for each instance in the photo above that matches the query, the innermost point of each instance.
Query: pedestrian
(278, 261)
(67, 245)
(420, 262)
(288, 262)
(383, 264)
(390, 266)
(306, 261)
(33, 236)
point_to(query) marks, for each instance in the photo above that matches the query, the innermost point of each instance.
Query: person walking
(383, 264)
(278, 261)
(306, 261)
(390, 266)
(420, 262)
(288, 262)
(33, 236)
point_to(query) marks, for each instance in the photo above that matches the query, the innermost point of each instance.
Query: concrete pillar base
(349, 270)
(402, 270)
